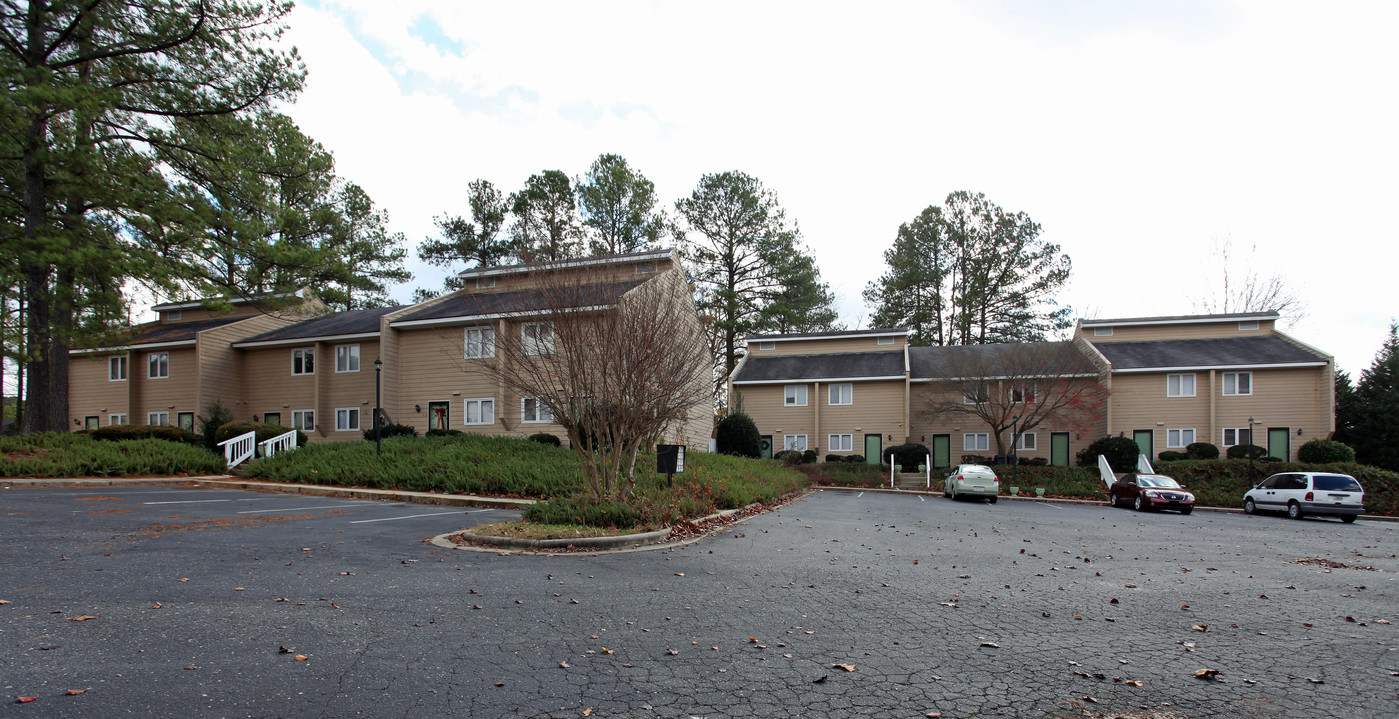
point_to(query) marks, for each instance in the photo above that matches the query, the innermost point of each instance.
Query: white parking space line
(409, 516)
(191, 501)
(298, 509)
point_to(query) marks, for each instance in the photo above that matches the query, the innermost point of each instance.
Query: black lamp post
(378, 365)
(1014, 457)
(1250, 451)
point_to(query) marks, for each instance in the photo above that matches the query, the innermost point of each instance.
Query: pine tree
(618, 206)
(1374, 414)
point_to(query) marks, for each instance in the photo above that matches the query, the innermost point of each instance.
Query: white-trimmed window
(158, 365)
(975, 441)
(842, 393)
(1023, 395)
(346, 358)
(794, 395)
(1028, 442)
(767, 345)
(480, 342)
(485, 283)
(1179, 437)
(884, 340)
(839, 442)
(347, 419)
(116, 419)
(1236, 435)
(1238, 384)
(538, 338)
(533, 409)
(157, 418)
(303, 361)
(794, 441)
(480, 411)
(1249, 325)
(116, 368)
(976, 395)
(1180, 385)
(174, 314)
(303, 419)
(1102, 331)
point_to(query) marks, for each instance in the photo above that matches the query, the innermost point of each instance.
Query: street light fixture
(378, 366)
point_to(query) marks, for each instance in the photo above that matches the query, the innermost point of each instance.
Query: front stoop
(915, 480)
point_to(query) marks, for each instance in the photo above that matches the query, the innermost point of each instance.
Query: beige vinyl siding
(825, 346)
(956, 425)
(1184, 331)
(595, 273)
(1139, 401)
(90, 392)
(875, 408)
(222, 375)
(342, 389)
(433, 368)
(698, 426)
(271, 387)
(172, 394)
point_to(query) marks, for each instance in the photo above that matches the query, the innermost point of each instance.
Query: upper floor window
(1238, 383)
(794, 395)
(1250, 325)
(646, 268)
(480, 342)
(979, 394)
(347, 358)
(887, 340)
(158, 365)
(1102, 331)
(485, 283)
(1180, 385)
(303, 361)
(1023, 395)
(116, 368)
(173, 314)
(842, 393)
(767, 345)
(539, 338)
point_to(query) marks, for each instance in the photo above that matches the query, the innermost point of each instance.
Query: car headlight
(1152, 493)
(1189, 497)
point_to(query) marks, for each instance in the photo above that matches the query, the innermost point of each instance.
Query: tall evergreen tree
(971, 272)
(546, 224)
(618, 205)
(1374, 409)
(474, 242)
(368, 257)
(741, 248)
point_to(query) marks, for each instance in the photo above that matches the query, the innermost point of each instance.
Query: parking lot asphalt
(191, 596)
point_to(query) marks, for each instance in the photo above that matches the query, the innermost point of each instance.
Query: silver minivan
(1302, 493)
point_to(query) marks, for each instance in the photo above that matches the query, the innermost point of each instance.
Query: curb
(623, 540)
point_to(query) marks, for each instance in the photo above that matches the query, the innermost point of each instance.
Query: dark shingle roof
(353, 322)
(1265, 315)
(175, 332)
(1008, 360)
(1217, 352)
(841, 333)
(473, 305)
(565, 264)
(822, 366)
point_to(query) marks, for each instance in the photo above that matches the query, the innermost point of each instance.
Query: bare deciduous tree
(617, 363)
(1016, 388)
(1236, 286)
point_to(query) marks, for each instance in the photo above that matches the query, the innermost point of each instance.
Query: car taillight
(1309, 496)
(959, 478)
(995, 480)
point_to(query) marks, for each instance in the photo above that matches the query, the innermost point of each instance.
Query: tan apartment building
(1165, 381)
(319, 374)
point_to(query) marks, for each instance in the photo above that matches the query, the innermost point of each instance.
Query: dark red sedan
(1150, 491)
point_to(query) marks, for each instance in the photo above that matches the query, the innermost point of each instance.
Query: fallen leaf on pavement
(1201, 627)
(1206, 673)
(75, 692)
(587, 712)
(564, 665)
(992, 645)
(26, 700)
(156, 606)
(672, 652)
(302, 657)
(83, 618)
(4, 601)
(819, 679)
(190, 667)
(846, 667)
(283, 650)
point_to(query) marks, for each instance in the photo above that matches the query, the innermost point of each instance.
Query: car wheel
(1112, 499)
(993, 501)
(1294, 510)
(1249, 506)
(1138, 505)
(1348, 518)
(1187, 510)
(952, 495)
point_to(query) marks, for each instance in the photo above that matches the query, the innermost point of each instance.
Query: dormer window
(1246, 326)
(173, 314)
(767, 345)
(646, 268)
(485, 283)
(886, 340)
(1102, 331)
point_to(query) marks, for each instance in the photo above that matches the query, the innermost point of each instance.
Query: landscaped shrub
(835, 458)
(1121, 453)
(120, 432)
(908, 456)
(978, 459)
(855, 459)
(1325, 451)
(216, 415)
(847, 474)
(264, 432)
(72, 455)
(389, 429)
(1201, 450)
(809, 456)
(1244, 451)
(1035, 462)
(446, 433)
(737, 434)
(789, 457)
(1171, 455)
(545, 438)
(575, 510)
(1057, 481)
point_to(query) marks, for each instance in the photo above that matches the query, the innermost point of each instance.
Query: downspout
(1213, 418)
(816, 416)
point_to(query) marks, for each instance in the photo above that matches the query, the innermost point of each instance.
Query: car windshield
(1335, 483)
(1157, 480)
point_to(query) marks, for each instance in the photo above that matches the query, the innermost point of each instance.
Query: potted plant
(1014, 491)
(1039, 491)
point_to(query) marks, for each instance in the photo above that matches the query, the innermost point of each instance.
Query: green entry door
(1278, 443)
(874, 444)
(1144, 442)
(1059, 449)
(766, 445)
(942, 450)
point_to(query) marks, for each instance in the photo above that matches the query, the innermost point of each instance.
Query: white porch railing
(1144, 465)
(893, 463)
(928, 471)
(282, 442)
(1105, 471)
(239, 449)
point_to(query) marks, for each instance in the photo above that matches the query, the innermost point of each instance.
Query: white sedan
(971, 480)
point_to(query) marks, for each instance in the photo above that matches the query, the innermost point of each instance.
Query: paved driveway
(194, 602)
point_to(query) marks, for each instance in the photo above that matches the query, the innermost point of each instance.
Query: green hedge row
(73, 455)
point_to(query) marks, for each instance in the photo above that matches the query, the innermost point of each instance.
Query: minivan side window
(1335, 483)
(1296, 481)
(1269, 483)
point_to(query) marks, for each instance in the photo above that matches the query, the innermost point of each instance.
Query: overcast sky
(1139, 135)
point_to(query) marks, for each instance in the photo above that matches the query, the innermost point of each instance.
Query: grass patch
(530, 530)
(72, 455)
